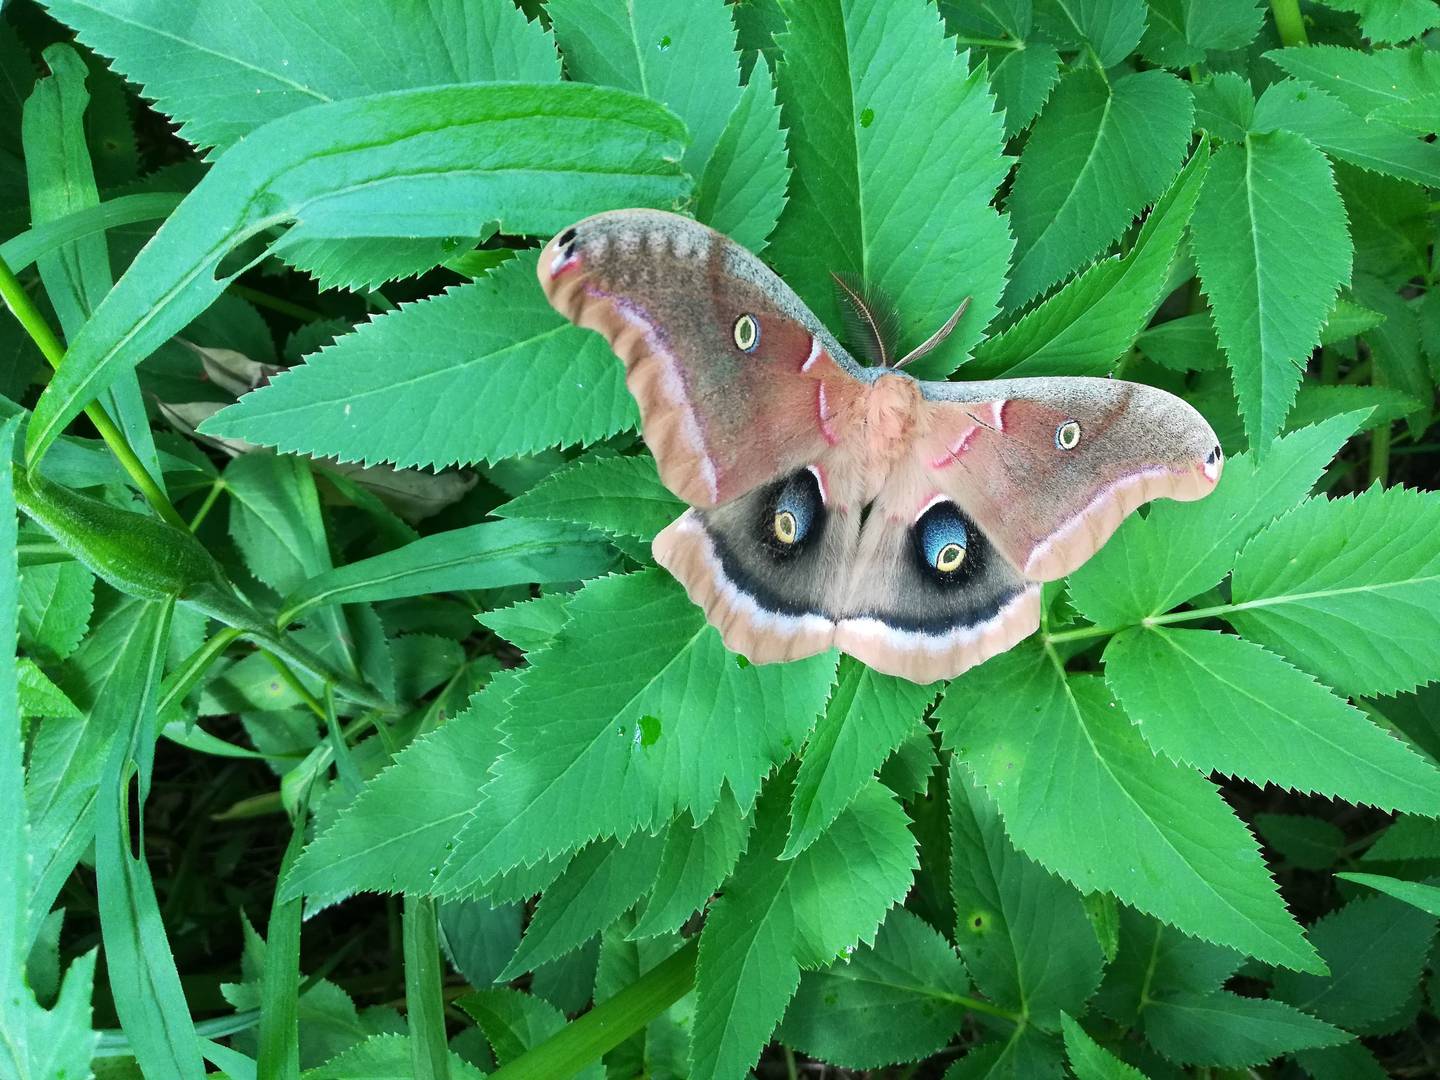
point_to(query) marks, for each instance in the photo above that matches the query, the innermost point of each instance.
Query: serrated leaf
(695, 863)
(679, 54)
(1395, 355)
(396, 832)
(1369, 142)
(41, 697)
(513, 1022)
(1184, 344)
(891, 1002)
(1311, 843)
(1349, 588)
(1270, 239)
(1391, 21)
(604, 731)
(275, 520)
(530, 625)
(55, 604)
(1224, 704)
(1179, 33)
(427, 162)
(1093, 319)
(1111, 28)
(1224, 105)
(382, 1057)
(1091, 1061)
(1155, 962)
(867, 717)
(778, 916)
(1029, 1053)
(1023, 932)
(897, 151)
(1081, 794)
(621, 495)
(222, 77)
(603, 881)
(1415, 893)
(1230, 1031)
(477, 938)
(1181, 549)
(1390, 220)
(1352, 1061)
(1317, 402)
(493, 340)
(742, 190)
(1375, 948)
(1022, 79)
(1100, 153)
(1406, 839)
(1369, 82)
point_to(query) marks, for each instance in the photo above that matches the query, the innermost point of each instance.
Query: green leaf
(279, 1054)
(1099, 154)
(383, 1057)
(494, 340)
(1230, 1031)
(1091, 1061)
(530, 625)
(1095, 318)
(695, 863)
(778, 916)
(1270, 240)
(34, 1043)
(1023, 932)
(55, 604)
(1390, 221)
(275, 520)
(612, 714)
(1395, 343)
(1184, 344)
(1415, 893)
(490, 555)
(868, 716)
(424, 1005)
(1022, 81)
(1370, 83)
(1109, 28)
(513, 1022)
(1081, 794)
(221, 77)
(679, 54)
(742, 190)
(661, 1047)
(1224, 105)
(1370, 143)
(1348, 588)
(1318, 402)
(143, 978)
(900, 999)
(1180, 32)
(1408, 838)
(1029, 1052)
(1376, 949)
(41, 697)
(1223, 704)
(1391, 21)
(1181, 549)
(1155, 963)
(395, 834)
(621, 495)
(1352, 1061)
(437, 149)
(601, 883)
(1310, 843)
(897, 151)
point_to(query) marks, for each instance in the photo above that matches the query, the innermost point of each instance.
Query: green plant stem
(275, 303)
(44, 337)
(1380, 455)
(290, 679)
(608, 1024)
(1288, 22)
(210, 497)
(424, 1003)
(989, 43)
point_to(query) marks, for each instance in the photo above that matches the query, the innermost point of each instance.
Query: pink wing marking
(1042, 550)
(955, 449)
(927, 504)
(815, 353)
(819, 474)
(823, 414)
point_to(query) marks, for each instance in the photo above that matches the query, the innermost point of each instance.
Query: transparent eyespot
(949, 558)
(1067, 435)
(785, 527)
(747, 333)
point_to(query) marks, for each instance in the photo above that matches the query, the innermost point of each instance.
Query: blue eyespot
(943, 537)
(795, 509)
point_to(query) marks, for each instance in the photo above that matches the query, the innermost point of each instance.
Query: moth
(833, 504)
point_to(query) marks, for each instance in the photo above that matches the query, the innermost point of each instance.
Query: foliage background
(358, 736)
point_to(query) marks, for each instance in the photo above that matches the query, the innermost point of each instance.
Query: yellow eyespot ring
(785, 527)
(747, 333)
(949, 558)
(1067, 435)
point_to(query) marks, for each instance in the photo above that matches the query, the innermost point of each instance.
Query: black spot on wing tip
(1214, 455)
(567, 237)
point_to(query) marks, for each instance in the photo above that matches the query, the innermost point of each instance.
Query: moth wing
(727, 405)
(1049, 468)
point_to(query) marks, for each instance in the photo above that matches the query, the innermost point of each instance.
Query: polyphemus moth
(907, 523)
